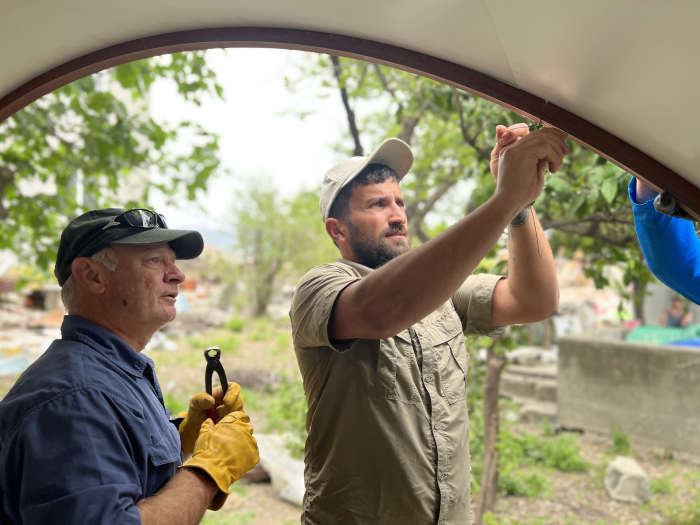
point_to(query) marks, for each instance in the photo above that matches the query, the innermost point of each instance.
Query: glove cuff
(222, 481)
(218, 501)
(220, 497)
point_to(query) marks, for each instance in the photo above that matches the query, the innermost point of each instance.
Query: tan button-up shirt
(388, 432)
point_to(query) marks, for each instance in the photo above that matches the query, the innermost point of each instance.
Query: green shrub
(662, 485)
(286, 413)
(676, 513)
(262, 330)
(563, 453)
(235, 324)
(523, 482)
(226, 341)
(175, 403)
(620, 442)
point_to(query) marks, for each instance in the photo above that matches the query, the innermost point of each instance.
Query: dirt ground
(580, 498)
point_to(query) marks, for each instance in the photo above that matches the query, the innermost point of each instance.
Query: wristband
(522, 217)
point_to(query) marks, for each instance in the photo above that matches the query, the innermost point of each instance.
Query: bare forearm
(422, 279)
(183, 501)
(532, 274)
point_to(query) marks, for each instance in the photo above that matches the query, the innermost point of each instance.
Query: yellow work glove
(197, 412)
(225, 451)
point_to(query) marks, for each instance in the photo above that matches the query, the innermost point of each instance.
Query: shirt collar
(76, 328)
(363, 270)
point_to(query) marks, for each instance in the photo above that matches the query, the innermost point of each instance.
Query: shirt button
(429, 378)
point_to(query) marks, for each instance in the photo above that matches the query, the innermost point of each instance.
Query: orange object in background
(189, 285)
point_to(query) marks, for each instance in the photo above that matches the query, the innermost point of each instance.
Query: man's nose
(174, 274)
(398, 214)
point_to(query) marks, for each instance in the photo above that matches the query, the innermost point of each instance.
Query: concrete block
(626, 481)
(536, 412)
(649, 391)
(546, 391)
(513, 385)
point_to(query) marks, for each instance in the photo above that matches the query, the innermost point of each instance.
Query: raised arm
(411, 286)
(531, 291)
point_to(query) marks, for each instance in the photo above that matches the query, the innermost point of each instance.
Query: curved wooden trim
(522, 102)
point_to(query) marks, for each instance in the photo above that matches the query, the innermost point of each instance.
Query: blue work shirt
(670, 245)
(84, 434)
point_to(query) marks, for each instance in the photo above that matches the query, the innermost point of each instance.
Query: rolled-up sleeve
(473, 304)
(670, 246)
(313, 302)
(86, 476)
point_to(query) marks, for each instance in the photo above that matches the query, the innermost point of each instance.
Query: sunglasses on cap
(138, 218)
(135, 218)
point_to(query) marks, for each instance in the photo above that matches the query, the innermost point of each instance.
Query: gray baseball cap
(394, 153)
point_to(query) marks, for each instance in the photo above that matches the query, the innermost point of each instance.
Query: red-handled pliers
(214, 365)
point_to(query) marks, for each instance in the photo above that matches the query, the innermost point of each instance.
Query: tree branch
(385, 84)
(463, 126)
(592, 231)
(409, 124)
(337, 70)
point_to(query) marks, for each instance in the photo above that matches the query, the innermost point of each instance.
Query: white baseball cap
(394, 153)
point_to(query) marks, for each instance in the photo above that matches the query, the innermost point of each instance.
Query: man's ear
(89, 274)
(337, 230)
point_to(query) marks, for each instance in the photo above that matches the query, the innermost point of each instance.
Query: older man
(379, 337)
(84, 434)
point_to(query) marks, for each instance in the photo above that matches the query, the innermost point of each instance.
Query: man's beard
(374, 254)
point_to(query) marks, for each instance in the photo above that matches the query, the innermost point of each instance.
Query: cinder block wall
(652, 392)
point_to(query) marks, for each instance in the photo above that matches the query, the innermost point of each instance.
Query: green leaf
(609, 189)
(577, 201)
(559, 185)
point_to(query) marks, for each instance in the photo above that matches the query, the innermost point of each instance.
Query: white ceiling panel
(627, 66)
(631, 68)
(53, 32)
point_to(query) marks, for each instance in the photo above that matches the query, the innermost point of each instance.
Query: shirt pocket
(451, 356)
(384, 367)
(395, 363)
(164, 447)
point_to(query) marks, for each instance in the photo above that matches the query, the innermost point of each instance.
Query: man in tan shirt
(379, 339)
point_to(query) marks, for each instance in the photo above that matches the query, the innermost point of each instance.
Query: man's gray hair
(107, 257)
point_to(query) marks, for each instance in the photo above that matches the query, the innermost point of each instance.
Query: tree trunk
(352, 124)
(489, 475)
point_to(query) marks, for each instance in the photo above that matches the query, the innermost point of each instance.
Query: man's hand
(505, 137)
(197, 413)
(225, 451)
(522, 164)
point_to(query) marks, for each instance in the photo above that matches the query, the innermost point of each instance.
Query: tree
(83, 132)
(276, 237)
(452, 133)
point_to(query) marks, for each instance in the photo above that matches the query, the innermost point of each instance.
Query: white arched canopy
(618, 76)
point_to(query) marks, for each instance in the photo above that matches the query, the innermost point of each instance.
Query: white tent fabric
(629, 67)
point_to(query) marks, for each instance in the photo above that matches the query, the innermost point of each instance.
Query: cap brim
(187, 244)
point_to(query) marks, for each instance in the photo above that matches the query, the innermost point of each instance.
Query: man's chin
(400, 244)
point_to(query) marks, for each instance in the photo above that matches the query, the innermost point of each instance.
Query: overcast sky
(257, 138)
